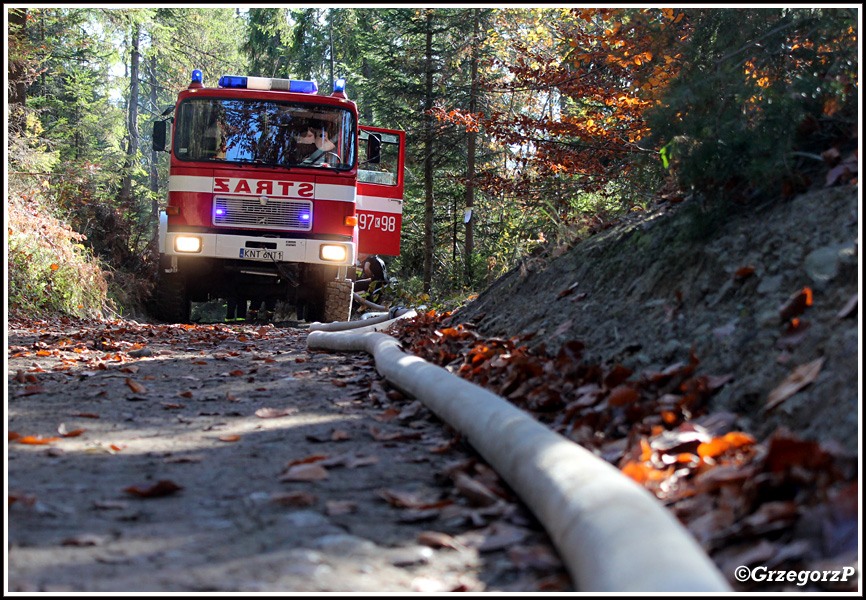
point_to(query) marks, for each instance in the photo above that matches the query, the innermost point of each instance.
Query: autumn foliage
(717, 99)
(733, 492)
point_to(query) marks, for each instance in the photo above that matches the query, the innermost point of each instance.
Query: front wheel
(172, 298)
(338, 300)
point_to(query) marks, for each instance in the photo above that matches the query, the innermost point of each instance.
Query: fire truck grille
(263, 213)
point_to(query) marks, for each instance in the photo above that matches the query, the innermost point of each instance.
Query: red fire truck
(274, 190)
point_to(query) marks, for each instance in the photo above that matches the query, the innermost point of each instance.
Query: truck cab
(273, 191)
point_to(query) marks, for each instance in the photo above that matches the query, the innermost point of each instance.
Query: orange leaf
(36, 439)
(54, 266)
(229, 438)
(135, 386)
(720, 445)
(62, 431)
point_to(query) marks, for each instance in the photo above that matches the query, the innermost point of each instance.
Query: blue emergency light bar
(268, 83)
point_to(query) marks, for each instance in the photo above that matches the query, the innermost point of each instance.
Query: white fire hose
(611, 533)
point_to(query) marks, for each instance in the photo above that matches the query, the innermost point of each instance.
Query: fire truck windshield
(267, 132)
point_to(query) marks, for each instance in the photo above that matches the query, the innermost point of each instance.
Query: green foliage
(753, 81)
(49, 269)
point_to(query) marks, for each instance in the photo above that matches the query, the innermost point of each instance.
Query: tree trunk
(132, 117)
(428, 157)
(154, 160)
(470, 162)
(17, 90)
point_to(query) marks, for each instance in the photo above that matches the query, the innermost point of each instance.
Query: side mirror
(374, 149)
(159, 130)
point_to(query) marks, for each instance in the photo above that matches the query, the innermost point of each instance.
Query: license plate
(261, 254)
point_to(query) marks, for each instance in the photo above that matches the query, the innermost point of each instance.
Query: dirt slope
(645, 292)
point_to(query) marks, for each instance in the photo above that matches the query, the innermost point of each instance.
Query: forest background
(525, 127)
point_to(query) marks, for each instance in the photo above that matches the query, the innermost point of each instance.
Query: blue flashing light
(233, 81)
(340, 85)
(303, 87)
(220, 212)
(197, 76)
(305, 217)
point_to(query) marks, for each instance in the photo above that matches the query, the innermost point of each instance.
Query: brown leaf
(562, 328)
(294, 499)
(568, 290)
(796, 305)
(86, 539)
(272, 413)
(86, 415)
(189, 458)
(340, 507)
(305, 472)
(229, 437)
(386, 436)
(339, 436)
(436, 539)
(135, 386)
(744, 272)
(622, 395)
(477, 493)
(13, 436)
(31, 389)
(163, 487)
(793, 383)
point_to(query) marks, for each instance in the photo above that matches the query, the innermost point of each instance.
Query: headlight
(187, 244)
(333, 253)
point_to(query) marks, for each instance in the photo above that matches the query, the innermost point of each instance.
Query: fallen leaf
(436, 539)
(796, 304)
(743, 272)
(385, 436)
(340, 507)
(163, 487)
(63, 431)
(793, 383)
(85, 539)
(293, 499)
(229, 438)
(86, 415)
(305, 472)
(850, 308)
(135, 386)
(30, 390)
(562, 328)
(36, 440)
(188, 458)
(477, 493)
(568, 290)
(13, 436)
(622, 395)
(273, 413)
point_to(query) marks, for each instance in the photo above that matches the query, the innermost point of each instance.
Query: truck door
(379, 194)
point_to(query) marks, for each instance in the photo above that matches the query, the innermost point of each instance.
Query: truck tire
(172, 299)
(338, 300)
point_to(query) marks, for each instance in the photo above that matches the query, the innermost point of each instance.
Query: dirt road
(157, 458)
